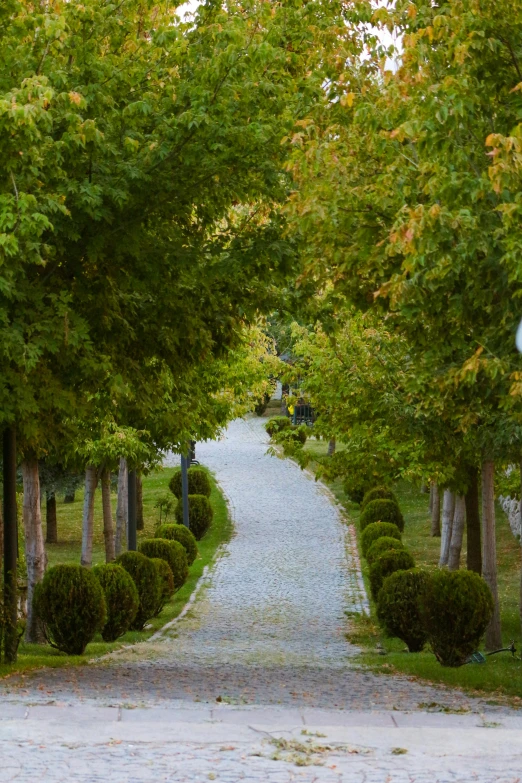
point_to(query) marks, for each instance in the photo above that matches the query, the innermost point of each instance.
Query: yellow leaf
(75, 97)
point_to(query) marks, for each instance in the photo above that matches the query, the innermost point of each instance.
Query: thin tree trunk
(448, 509)
(457, 533)
(34, 543)
(474, 550)
(489, 552)
(520, 512)
(91, 480)
(108, 527)
(331, 447)
(1, 541)
(140, 523)
(435, 511)
(431, 496)
(51, 522)
(122, 507)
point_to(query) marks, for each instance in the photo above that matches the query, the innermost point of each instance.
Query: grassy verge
(501, 675)
(31, 656)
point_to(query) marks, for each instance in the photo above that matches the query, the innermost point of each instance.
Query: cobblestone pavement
(266, 633)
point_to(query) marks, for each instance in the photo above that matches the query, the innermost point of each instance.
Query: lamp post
(184, 489)
(132, 516)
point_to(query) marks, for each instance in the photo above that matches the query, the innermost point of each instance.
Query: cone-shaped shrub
(378, 493)
(172, 552)
(200, 515)
(147, 580)
(167, 582)
(377, 530)
(398, 607)
(121, 598)
(183, 535)
(276, 424)
(384, 544)
(456, 608)
(386, 564)
(198, 483)
(382, 510)
(70, 603)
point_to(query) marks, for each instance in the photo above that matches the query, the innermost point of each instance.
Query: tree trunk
(474, 555)
(122, 507)
(435, 511)
(51, 522)
(91, 480)
(489, 552)
(520, 512)
(1, 539)
(431, 497)
(69, 497)
(457, 532)
(140, 523)
(34, 543)
(448, 509)
(331, 447)
(108, 527)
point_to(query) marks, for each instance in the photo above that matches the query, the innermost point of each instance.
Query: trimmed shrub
(382, 510)
(389, 562)
(354, 489)
(293, 434)
(172, 552)
(147, 580)
(398, 607)
(378, 530)
(70, 603)
(378, 493)
(276, 424)
(198, 483)
(455, 607)
(200, 515)
(183, 535)
(121, 598)
(167, 582)
(382, 545)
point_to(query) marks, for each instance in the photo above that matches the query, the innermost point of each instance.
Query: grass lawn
(501, 674)
(68, 551)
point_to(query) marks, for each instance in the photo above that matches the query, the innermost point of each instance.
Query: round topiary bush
(183, 535)
(121, 598)
(70, 603)
(200, 515)
(167, 582)
(382, 545)
(198, 482)
(398, 607)
(455, 607)
(389, 562)
(146, 578)
(382, 510)
(172, 552)
(354, 489)
(276, 424)
(291, 435)
(377, 493)
(378, 530)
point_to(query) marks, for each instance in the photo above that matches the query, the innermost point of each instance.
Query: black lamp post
(132, 515)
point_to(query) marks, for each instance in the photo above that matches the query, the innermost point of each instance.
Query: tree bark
(520, 512)
(1, 537)
(108, 526)
(51, 522)
(140, 523)
(331, 447)
(122, 507)
(474, 553)
(435, 511)
(91, 480)
(34, 543)
(431, 497)
(448, 509)
(457, 533)
(489, 552)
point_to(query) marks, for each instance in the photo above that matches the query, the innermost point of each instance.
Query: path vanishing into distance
(257, 681)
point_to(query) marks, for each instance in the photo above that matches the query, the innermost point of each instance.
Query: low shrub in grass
(200, 515)
(71, 606)
(389, 562)
(172, 552)
(456, 608)
(147, 580)
(121, 598)
(398, 607)
(183, 535)
(377, 530)
(276, 424)
(354, 489)
(378, 493)
(382, 510)
(291, 435)
(383, 544)
(198, 482)
(167, 582)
